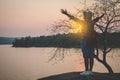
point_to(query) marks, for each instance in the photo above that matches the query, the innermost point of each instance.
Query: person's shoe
(85, 73)
(90, 72)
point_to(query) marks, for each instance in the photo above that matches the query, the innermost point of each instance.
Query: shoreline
(77, 76)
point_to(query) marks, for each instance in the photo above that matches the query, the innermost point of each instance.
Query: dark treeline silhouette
(59, 40)
(6, 40)
(64, 40)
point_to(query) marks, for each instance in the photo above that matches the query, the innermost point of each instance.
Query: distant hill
(6, 40)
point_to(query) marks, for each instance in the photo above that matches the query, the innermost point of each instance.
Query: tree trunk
(108, 67)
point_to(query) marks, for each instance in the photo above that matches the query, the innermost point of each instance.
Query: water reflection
(32, 63)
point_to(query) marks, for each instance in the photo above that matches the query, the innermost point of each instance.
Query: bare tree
(108, 24)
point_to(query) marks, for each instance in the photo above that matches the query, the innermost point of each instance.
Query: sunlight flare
(76, 27)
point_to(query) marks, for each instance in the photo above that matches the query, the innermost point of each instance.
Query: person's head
(87, 15)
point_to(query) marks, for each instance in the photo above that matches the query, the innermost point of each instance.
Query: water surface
(32, 63)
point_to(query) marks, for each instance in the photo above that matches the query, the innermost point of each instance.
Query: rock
(77, 76)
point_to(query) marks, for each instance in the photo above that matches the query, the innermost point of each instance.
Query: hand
(67, 14)
(64, 11)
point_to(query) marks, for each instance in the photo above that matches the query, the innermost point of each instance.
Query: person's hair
(87, 14)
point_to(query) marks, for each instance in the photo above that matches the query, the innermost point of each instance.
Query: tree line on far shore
(71, 40)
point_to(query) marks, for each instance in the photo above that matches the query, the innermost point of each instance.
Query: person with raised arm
(87, 38)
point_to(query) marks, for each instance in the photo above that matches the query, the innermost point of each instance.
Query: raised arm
(97, 18)
(70, 16)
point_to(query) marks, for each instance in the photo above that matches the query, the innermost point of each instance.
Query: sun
(76, 27)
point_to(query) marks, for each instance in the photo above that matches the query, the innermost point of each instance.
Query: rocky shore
(77, 76)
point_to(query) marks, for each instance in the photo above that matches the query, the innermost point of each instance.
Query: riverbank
(76, 76)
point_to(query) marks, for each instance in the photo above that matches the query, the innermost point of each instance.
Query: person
(87, 38)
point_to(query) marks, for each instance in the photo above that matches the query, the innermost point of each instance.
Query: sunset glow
(19, 18)
(31, 17)
(76, 27)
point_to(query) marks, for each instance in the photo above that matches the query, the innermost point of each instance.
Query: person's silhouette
(87, 38)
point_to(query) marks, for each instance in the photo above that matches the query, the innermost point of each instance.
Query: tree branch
(117, 15)
(108, 24)
(97, 58)
(100, 27)
(108, 50)
(115, 21)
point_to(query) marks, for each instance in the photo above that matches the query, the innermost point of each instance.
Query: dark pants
(87, 49)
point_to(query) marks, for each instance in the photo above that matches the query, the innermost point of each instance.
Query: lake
(33, 63)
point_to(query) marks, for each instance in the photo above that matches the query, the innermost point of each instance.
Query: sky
(20, 18)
